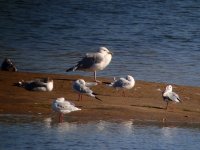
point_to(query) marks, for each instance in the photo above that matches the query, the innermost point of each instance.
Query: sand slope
(143, 102)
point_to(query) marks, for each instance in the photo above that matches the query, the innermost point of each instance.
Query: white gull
(168, 96)
(44, 84)
(93, 62)
(82, 87)
(62, 106)
(123, 83)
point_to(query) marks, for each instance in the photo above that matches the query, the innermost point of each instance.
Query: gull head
(129, 78)
(168, 88)
(104, 50)
(47, 80)
(81, 81)
(61, 99)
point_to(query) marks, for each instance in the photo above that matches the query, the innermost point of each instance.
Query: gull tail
(180, 100)
(109, 84)
(96, 96)
(72, 69)
(20, 84)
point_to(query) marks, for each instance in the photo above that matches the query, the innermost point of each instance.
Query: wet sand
(142, 103)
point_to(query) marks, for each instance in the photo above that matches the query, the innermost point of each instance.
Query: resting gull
(168, 96)
(45, 84)
(94, 62)
(8, 65)
(82, 87)
(62, 106)
(123, 83)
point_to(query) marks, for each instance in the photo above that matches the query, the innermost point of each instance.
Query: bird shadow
(16, 84)
(60, 79)
(148, 106)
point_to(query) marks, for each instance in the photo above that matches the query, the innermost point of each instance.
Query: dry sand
(142, 103)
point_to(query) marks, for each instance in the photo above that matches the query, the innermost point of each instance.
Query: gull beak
(110, 53)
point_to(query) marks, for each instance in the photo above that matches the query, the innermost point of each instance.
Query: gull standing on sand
(94, 62)
(45, 84)
(62, 106)
(82, 87)
(168, 96)
(123, 83)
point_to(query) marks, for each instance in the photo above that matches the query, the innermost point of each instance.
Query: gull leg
(95, 77)
(166, 106)
(60, 118)
(79, 97)
(123, 93)
(165, 118)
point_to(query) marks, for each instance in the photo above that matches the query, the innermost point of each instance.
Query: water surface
(94, 135)
(153, 41)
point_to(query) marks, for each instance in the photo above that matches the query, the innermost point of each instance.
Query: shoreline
(143, 103)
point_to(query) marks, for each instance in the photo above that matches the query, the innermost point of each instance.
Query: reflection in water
(66, 127)
(48, 134)
(47, 122)
(61, 127)
(101, 125)
(127, 127)
(168, 132)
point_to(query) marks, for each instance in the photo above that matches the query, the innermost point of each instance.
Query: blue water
(95, 135)
(152, 40)
(155, 40)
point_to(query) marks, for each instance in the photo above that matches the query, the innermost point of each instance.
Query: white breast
(104, 63)
(50, 86)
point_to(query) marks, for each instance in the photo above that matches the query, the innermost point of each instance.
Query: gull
(45, 84)
(8, 65)
(168, 96)
(93, 62)
(123, 83)
(62, 106)
(82, 87)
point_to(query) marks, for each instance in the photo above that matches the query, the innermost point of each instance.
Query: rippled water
(95, 135)
(154, 41)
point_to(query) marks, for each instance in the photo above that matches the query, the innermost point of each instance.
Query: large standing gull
(82, 87)
(45, 84)
(123, 83)
(94, 62)
(62, 106)
(168, 96)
